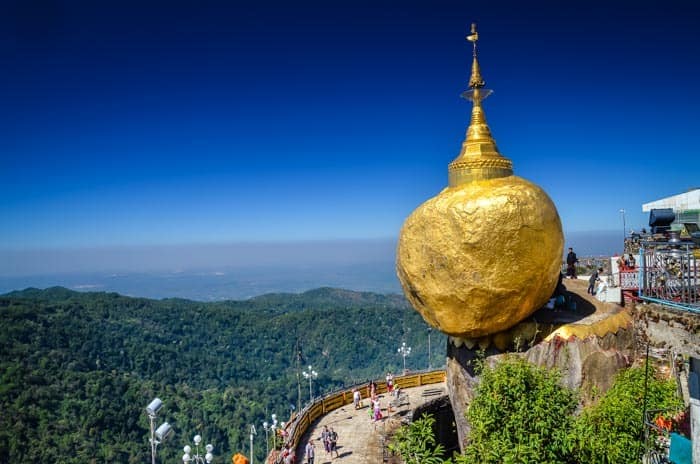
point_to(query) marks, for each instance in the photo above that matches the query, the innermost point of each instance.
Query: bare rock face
(667, 327)
(480, 257)
(587, 355)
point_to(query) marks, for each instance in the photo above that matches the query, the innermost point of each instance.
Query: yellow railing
(301, 422)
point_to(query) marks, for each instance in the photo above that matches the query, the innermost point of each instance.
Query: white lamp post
(310, 374)
(266, 426)
(252, 433)
(160, 434)
(197, 458)
(274, 430)
(282, 424)
(404, 351)
(624, 224)
(270, 428)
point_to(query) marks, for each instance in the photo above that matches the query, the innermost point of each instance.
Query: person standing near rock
(593, 279)
(571, 261)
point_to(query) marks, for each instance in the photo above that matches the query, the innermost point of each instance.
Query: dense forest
(78, 369)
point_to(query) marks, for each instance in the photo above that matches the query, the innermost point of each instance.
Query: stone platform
(360, 440)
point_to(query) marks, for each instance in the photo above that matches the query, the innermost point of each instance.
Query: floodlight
(187, 449)
(163, 431)
(209, 448)
(197, 439)
(154, 406)
(186, 457)
(209, 457)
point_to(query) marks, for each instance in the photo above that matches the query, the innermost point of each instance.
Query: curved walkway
(360, 440)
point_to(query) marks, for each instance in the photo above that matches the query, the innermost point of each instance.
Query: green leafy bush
(520, 414)
(610, 431)
(416, 443)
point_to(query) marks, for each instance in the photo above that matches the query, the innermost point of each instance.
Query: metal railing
(669, 275)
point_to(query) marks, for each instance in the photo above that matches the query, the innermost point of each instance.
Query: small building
(686, 207)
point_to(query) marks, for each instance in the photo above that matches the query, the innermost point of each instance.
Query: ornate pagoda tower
(480, 259)
(484, 253)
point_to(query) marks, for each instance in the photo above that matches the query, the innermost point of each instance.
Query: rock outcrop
(587, 351)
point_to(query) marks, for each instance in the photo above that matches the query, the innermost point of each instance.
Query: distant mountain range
(218, 285)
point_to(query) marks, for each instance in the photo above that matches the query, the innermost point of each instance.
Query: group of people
(375, 409)
(329, 437)
(626, 262)
(330, 441)
(288, 455)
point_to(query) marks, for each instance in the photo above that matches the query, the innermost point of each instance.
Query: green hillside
(77, 369)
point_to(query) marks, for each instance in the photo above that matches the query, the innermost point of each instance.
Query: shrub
(610, 431)
(520, 414)
(416, 443)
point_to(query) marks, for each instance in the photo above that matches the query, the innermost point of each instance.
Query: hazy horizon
(230, 270)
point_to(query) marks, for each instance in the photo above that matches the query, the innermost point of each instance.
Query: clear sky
(145, 123)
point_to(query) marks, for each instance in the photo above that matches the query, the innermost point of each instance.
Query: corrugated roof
(689, 200)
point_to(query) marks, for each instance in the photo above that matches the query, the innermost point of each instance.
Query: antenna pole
(298, 375)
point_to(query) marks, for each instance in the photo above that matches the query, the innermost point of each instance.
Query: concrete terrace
(360, 440)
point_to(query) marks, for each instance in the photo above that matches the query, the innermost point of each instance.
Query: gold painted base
(528, 333)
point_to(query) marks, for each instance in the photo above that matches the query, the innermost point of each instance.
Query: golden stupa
(485, 253)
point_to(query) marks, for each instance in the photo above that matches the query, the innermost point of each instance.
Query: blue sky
(146, 123)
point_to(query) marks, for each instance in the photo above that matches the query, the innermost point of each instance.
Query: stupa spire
(475, 81)
(479, 158)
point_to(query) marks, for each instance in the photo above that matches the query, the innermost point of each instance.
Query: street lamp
(624, 225)
(274, 428)
(197, 458)
(160, 434)
(270, 428)
(267, 441)
(310, 374)
(252, 433)
(273, 431)
(404, 351)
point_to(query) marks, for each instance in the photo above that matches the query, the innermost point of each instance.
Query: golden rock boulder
(481, 257)
(486, 252)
